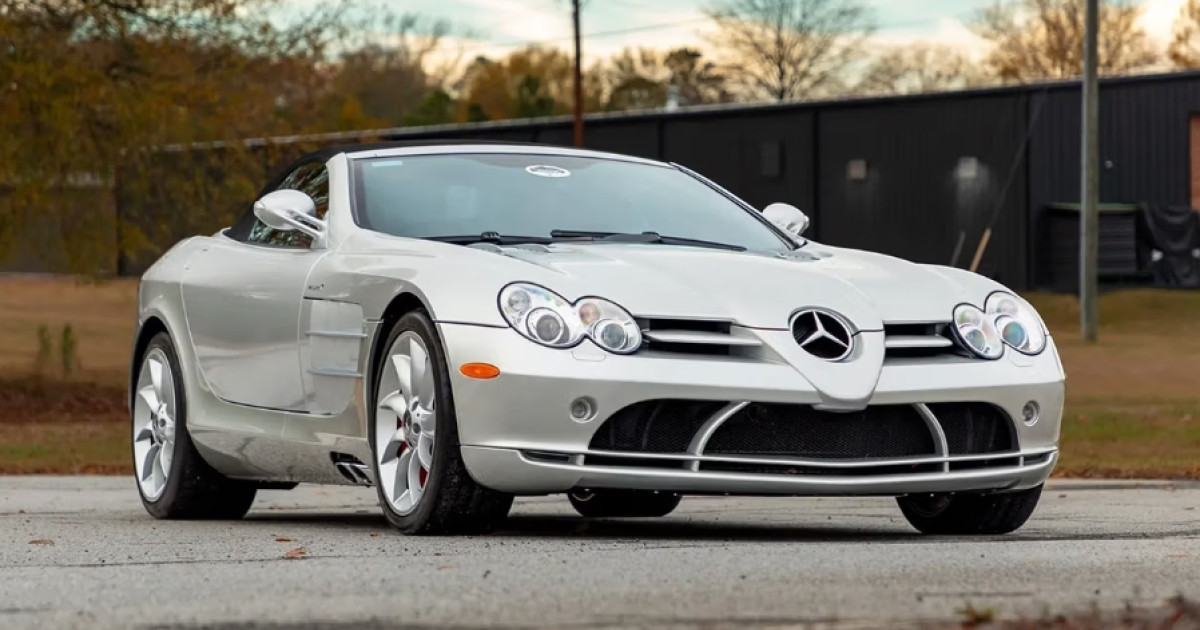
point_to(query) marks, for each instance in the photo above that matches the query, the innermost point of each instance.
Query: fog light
(1029, 413)
(583, 409)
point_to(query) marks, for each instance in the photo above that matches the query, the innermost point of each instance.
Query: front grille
(801, 431)
(919, 340)
(656, 426)
(974, 428)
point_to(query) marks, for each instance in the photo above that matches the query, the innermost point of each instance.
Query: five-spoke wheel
(406, 422)
(423, 485)
(154, 407)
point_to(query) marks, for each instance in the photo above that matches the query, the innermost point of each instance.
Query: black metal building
(924, 176)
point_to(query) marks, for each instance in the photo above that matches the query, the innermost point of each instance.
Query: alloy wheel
(405, 422)
(154, 416)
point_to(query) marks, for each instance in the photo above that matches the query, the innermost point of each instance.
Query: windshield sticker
(379, 163)
(545, 170)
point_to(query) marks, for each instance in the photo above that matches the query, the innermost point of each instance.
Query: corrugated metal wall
(936, 174)
(1144, 144)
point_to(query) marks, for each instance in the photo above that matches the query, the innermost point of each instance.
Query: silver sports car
(459, 323)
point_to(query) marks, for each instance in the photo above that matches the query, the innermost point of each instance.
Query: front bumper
(518, 436)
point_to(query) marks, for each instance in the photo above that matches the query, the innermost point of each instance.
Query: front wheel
(623, 503)
(423, 485)
(968, 514)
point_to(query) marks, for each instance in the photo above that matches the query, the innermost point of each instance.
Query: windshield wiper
(491, 237)
(643, 237)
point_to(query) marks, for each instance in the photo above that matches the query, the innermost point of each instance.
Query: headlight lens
(543, 316)
(609, 325)
(1018, 324)
(977, 331)
(540, 315)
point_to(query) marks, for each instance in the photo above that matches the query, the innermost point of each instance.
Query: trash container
(1117, 258)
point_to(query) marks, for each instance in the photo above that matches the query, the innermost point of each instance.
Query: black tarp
(1173, 233)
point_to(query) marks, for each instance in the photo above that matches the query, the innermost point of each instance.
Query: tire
(449, 501)
(623, 503)
(970, 514)
(181, 485)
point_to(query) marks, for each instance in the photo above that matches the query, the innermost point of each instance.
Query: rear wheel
(172, 479)
(423, 485)
(967, 514)
(622, 503)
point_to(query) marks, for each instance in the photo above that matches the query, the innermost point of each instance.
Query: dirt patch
(41, 401)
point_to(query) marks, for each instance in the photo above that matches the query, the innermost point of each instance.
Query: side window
(311, 179)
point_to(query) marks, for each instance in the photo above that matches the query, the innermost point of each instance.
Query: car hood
(753, 289)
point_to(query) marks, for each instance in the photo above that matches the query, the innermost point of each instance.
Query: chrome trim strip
(710, 426)
(815, 463)
(337, 334)
(939, 435)
(334, 372)
(916, 341)
(695, 336)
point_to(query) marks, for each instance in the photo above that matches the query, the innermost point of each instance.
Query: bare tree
(920, 68)
(1184, 50)
(1043, 39)
(790, 49)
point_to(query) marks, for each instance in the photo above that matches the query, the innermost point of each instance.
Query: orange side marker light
(479, 370)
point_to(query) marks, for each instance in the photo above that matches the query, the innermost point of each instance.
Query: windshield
(432, 196)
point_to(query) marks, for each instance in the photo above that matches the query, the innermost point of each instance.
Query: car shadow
(681, 529)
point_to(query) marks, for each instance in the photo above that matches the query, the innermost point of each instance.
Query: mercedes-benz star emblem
(823, 334)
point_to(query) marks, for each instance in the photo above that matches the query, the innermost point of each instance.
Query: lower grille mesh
(800, 431)
(656, 426)
(974, 428)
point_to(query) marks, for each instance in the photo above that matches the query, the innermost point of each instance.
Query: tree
(98, 92)
(530, 82)
(919, 68)
(396, 63)
(641, 79)
(1184, 49)
(790, 49)
(1043, 39)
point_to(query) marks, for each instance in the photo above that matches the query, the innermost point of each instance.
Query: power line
(663, 26)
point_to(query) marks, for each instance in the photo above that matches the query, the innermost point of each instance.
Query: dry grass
(1133, 400)
(102, 315)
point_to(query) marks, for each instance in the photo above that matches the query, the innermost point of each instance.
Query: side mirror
(289, 210)
(787, 217)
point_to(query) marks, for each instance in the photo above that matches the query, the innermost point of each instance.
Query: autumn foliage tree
(1184, 49)
(642, 79)
(1043, 39)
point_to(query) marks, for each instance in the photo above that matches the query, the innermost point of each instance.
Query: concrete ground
(81, 552)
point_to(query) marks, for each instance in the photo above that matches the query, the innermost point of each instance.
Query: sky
(498, 26)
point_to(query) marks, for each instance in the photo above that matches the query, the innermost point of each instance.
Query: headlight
(543, 316)
(1018, 325)
(977, 331)
(609, 325)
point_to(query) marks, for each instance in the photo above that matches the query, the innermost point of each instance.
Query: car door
(243, 295)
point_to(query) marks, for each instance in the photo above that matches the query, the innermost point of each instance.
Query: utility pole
(578, 75)
(1089, 214)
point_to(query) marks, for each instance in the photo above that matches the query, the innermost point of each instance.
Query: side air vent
(694, 336)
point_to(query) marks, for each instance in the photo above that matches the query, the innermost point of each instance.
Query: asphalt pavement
(79, 552)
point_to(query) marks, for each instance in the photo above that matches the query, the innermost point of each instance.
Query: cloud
(1158, 17)
(947, 31)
